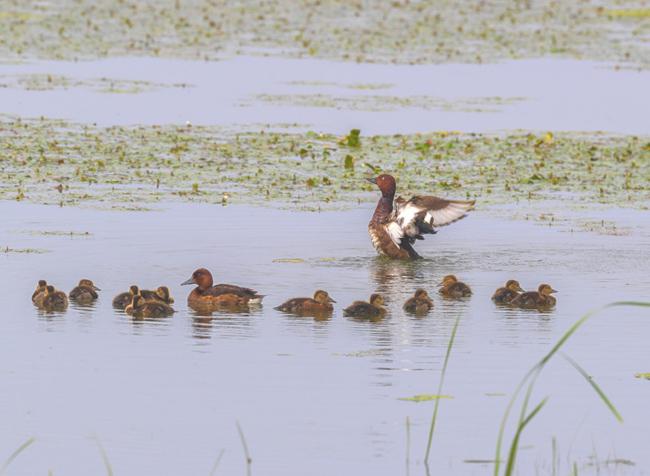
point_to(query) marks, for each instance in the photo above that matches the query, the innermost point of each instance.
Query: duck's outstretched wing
(421, 215)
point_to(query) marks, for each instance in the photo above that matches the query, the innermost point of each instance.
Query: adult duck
(206, 294)
(397, 222)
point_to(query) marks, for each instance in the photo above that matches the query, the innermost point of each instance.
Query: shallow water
(546, 94)
(312, 397)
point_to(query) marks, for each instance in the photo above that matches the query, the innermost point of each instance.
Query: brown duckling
(420, 303)
(39, 294)
(140, 307)
(54, 300)
(85, 292)
(506, 294)
(540, 299)
(367, 310)
(208, 295)
(320, 304)
(452, 288)
(124, 299)
(161, 294)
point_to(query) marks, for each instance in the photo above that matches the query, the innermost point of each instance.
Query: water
(558, 95)
(312, 397)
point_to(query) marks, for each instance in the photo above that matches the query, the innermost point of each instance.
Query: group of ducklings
(141, 303)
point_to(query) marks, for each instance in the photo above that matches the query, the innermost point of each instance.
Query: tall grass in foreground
(531, 377)
(15, 454)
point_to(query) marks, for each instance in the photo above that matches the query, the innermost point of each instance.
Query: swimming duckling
(207, 294)
(54, 300)
(320, 304)
(124, 299)
(161, 294)
(506, 294)
(369, 310)
(85, 292)
(540, 299)
(140, 307)
(452, 288)
(39, 294)
(420, 303)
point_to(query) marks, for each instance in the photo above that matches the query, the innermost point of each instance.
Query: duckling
(85, 292)
(207, 294)
(368, 310)
(541, 299)
(506, 294)
(139, 307)
(321, 303)
(124, 299)
(54, 300)
(39, 294)
(452, 288)
(161, 294)
(420, 303)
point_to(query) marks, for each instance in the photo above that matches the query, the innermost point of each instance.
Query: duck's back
(418, 306)
(362, 309)
(533, 300)
(456, 290)
(383, 243)
(56, 301)
(83, 294)
(122, 300)
(153, 309)
(504, 296)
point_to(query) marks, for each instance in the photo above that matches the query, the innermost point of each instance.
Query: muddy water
(543, 94)
(312, 397)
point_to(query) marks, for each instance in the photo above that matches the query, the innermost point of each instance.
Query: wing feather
(421, 215)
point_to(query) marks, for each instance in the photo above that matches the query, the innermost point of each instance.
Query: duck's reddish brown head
(202, 278)
(386, 184)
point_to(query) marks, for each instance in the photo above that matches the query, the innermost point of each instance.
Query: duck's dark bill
(188, 282)
(372, 180)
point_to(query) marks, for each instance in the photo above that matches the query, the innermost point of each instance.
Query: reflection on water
(153, 388)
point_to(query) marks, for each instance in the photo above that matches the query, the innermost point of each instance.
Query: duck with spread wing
(397, 223)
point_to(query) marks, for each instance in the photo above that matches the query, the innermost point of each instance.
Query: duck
(420, 303)
(321, 303)
(367, 310)
(540, 299)
(54, 300)
(506, 294)
(161, 294)
(140, 307)
(124, 299)
(397, 223)
(39, 294)
(85, 292)
(207, 294)
(452, 288)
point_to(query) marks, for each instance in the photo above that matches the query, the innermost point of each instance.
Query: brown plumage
(39, 294)
(419, 304)
(367, 310)
(124, 299)
(452, 288)
(85, 292)
(506, 294)
(208, 295)
(397, 223)
(54, 300)
(540, 299)
(320, 304)
(139, 307)
(161, 294)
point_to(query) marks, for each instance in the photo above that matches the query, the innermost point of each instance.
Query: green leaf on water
(644, 375)
(425, 397)
(288, 260)
(352, 139)
(349, 162)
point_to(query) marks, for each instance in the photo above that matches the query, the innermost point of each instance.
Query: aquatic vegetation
(8, 250)
(51, 82)
(402, 32)
(425, 397)
(643, 375)
(128, 167)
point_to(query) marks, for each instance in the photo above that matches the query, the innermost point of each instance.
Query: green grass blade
(15, 454)
(102, 451)
(595, 386)
(216, 463)
(434, 417)
(514, 447)
(572, 330)
(247, 454)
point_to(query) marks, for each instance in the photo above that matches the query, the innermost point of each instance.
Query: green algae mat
(54, 162)
(398, 31)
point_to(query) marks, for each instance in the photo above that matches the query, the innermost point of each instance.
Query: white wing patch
(454, 211)
(395, 232)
